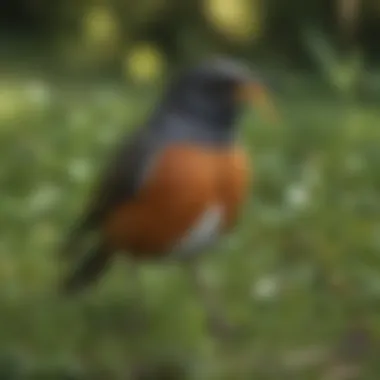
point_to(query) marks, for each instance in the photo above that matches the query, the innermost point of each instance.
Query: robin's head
(216, 90)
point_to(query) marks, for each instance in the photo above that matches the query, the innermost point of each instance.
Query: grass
(300, 274)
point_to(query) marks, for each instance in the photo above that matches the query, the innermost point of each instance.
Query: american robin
(177, 184)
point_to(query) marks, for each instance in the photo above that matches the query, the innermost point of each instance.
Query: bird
(176, 185)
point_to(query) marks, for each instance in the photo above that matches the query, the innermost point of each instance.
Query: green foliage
(98, 38)
(343, 73)
(300, 270)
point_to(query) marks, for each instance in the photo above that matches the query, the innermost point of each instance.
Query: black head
(214, 91)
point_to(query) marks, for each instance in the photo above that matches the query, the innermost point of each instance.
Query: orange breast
(183, 182)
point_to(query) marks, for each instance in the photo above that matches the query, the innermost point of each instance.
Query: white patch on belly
(202, 234)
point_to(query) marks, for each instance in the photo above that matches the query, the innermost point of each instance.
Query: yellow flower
(144, 63)
(237, 19)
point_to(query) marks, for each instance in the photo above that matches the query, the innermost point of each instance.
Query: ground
(300, 274)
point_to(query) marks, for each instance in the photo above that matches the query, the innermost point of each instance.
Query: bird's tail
(75, 239)
(87, 271)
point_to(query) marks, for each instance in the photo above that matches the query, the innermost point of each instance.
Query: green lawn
(300, 275)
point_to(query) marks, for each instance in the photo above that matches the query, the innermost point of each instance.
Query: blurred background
(300, 275)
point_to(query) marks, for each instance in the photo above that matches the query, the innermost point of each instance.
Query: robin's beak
(257, 95)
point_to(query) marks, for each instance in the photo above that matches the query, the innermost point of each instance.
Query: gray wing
(118, 183)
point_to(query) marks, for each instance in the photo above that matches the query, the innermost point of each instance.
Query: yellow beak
(260, 98)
